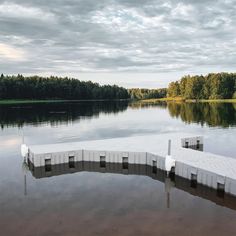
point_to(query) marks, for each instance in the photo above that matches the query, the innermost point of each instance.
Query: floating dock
(184, 157)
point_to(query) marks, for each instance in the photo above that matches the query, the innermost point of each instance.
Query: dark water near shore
(102, 203)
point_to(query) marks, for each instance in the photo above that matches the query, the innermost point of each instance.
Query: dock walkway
(215, 171)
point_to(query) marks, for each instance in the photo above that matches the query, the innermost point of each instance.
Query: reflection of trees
(141, 104)
(55, 113)
(212, 114)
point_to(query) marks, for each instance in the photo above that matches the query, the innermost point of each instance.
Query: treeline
(136, 93)
(211, 86)
(36, 87)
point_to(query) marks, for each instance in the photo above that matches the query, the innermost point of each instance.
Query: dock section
(190, 162)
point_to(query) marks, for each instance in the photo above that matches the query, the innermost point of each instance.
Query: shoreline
(181, 100)
(29, 101)
(152, 100)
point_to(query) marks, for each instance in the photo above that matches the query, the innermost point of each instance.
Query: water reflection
(199, 190)
(210, 114)
(96, 202)
(140, 104)
(55, 113)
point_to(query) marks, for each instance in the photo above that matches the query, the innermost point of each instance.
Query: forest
(137, 93)
(36, 87)
(211, 86)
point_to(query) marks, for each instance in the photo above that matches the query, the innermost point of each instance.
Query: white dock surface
(155, 144)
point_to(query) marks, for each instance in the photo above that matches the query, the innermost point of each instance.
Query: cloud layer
(74, 36)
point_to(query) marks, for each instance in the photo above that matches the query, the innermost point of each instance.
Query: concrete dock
(189, 162)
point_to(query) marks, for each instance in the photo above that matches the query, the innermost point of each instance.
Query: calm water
(93, 202)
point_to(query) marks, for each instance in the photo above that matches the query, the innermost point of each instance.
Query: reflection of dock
(211, 170)
(136, 169)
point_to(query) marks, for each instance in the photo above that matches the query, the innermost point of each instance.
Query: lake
(95, 202)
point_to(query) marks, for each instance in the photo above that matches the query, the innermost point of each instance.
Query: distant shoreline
(152, 100)
(178, 99)
(29, 101)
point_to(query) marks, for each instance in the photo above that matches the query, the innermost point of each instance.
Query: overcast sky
(134, 43)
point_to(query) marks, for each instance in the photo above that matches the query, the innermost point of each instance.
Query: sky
(132, 43)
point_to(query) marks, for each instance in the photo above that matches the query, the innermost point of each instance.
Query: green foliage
(211, 86)
(234, 95)
(173, 89)
(35, 87)
(136, 93)
(182, 85)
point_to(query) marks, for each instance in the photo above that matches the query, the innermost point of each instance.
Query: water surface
(107, 203)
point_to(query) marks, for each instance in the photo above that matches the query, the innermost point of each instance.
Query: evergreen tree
(35, 87)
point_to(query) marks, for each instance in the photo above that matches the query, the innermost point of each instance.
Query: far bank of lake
(152, 100)
(29, 101)
(179, 99)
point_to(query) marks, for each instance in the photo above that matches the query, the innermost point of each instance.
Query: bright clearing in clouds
(111, 41)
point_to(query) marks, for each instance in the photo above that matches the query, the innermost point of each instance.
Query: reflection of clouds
(132, 122)
(11, 142)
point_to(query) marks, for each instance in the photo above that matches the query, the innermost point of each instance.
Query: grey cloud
(119, 35)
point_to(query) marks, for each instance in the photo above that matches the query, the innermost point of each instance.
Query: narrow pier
(178, 154)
